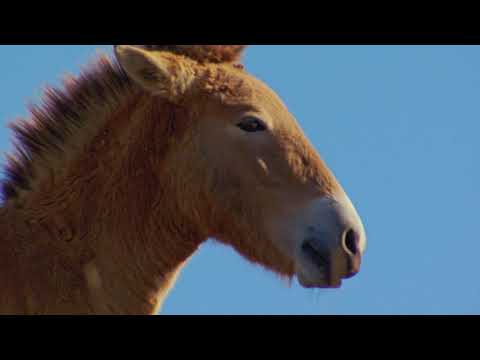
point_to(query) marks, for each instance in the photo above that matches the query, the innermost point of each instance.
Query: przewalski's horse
(119, 177)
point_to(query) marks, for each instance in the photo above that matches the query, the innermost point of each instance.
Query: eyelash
(252, 124)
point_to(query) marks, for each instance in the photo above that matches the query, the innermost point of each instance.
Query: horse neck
(104, 234)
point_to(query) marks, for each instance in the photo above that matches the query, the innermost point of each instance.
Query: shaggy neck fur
(91, 173)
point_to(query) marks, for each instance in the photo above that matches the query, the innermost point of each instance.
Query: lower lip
(337, 285)
(318, 285)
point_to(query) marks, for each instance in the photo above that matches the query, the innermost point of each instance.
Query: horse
(119, 176)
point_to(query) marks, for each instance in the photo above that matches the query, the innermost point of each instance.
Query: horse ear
(160, 73)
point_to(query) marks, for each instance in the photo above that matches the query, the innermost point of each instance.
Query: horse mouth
(315, 256)
(323, 278)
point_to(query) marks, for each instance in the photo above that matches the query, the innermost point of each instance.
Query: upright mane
(62, 111)
(60, 114)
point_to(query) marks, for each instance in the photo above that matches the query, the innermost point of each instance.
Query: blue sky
(398, 125)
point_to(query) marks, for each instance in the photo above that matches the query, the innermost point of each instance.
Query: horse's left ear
(160, 73)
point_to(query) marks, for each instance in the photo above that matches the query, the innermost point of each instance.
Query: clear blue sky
(399, 126)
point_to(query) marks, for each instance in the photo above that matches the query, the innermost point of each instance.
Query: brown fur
(111, 189)
(204, 53)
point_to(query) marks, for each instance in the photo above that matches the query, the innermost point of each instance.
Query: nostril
(351, 242)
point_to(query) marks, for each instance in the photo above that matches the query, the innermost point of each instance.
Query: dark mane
(61, 113)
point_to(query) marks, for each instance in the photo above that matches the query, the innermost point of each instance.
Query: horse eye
(251, 124)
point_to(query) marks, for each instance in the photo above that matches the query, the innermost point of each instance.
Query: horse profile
(119, 177)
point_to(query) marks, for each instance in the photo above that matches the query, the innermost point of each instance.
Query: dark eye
(251, 124)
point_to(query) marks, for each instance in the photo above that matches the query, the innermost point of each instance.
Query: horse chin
(318, 282)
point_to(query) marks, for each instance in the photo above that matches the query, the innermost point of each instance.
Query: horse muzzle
(333, 244)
